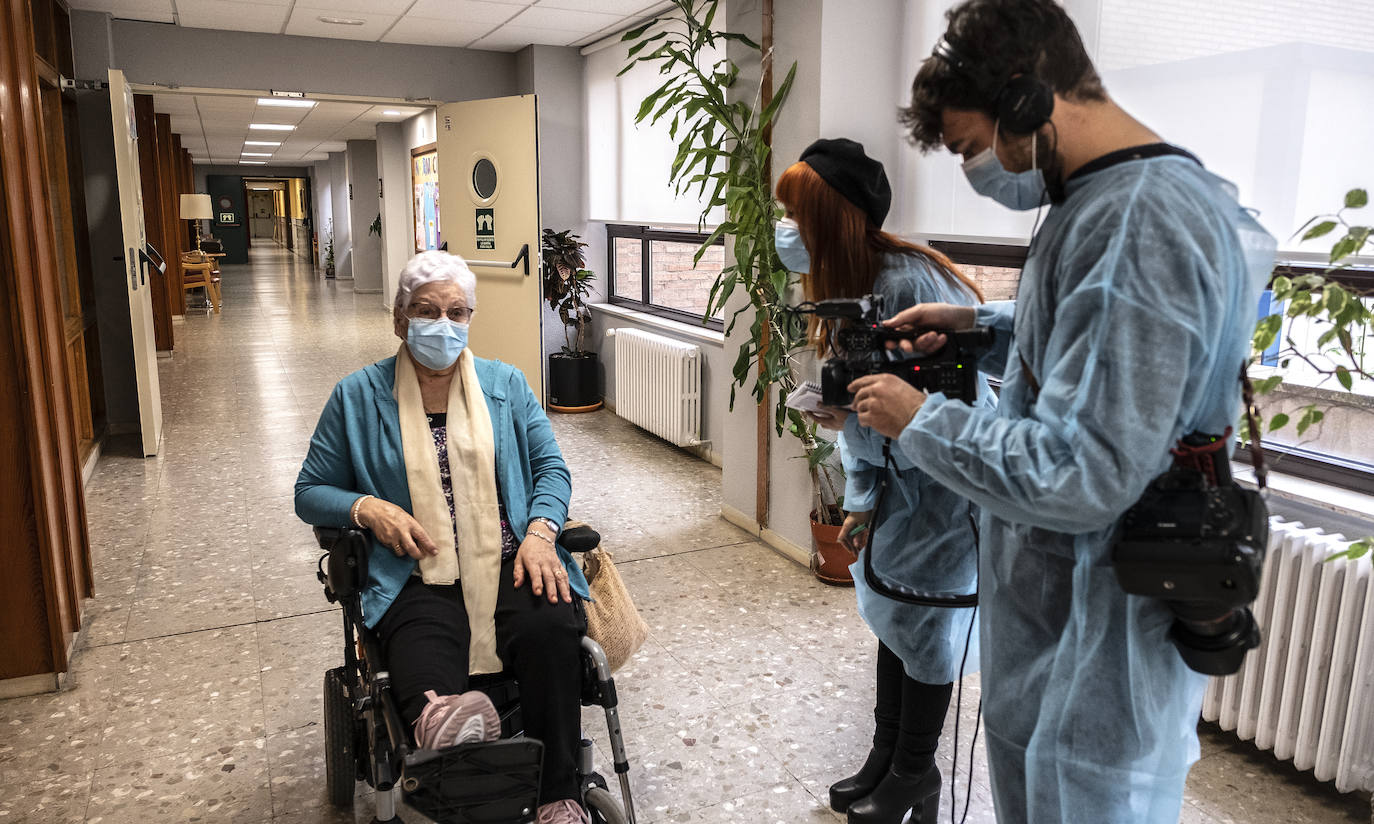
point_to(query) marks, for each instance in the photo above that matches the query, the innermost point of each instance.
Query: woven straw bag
(612, 620)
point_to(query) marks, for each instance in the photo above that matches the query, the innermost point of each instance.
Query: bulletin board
(424, 179)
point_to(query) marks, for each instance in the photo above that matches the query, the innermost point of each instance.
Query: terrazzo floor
(194, 695)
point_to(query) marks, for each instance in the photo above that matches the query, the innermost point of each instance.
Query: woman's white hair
(431, 267)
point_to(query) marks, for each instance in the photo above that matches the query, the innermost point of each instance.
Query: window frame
(1294, 462)
(646, 235)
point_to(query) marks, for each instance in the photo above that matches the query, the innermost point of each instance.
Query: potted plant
(574, 379)
(724, 152)
(830, 559)
(329, 250)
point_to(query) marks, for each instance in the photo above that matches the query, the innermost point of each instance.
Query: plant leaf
(1320, 229)
(1356, 199)
(1343, 375)
(1278, 422)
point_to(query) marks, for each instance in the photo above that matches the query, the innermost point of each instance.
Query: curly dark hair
(1002, 38)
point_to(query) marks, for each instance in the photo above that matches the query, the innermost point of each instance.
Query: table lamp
(196, 207)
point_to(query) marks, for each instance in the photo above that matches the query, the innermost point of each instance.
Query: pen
(856, 530)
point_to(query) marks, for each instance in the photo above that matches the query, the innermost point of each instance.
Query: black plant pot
(574, 382)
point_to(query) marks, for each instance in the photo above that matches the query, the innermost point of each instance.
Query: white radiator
(658, 385)
(1307, 692)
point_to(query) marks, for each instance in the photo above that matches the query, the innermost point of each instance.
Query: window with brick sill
(1339, 453)
(652, 270)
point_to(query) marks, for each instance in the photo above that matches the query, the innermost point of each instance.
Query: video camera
(859, 341)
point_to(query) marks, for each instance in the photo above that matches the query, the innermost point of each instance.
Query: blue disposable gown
(924, 538)
(1134, 313)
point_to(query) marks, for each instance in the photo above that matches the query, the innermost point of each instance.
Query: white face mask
(1020, 191)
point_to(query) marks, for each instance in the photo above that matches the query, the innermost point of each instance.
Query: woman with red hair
(835, 199)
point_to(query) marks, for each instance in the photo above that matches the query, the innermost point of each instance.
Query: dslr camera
(1196, 540)
(859, 341)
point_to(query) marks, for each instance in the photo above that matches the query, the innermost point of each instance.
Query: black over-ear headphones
(1023, 103)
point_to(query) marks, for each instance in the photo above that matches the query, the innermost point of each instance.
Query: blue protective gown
(924, 537)
(1134, 314)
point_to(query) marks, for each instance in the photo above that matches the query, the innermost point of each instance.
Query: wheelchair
(494, 782)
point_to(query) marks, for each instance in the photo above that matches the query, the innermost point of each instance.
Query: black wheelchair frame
(493, 782)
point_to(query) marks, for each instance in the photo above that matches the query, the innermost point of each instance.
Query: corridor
(195, 692)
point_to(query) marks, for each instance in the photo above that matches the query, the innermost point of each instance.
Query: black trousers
(424, 636)
(908, 714)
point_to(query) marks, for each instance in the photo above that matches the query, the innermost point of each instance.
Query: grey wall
(393, 166)
(342, 215)
(556, 76)
(158, 53)
(93, 53)
(361, 156)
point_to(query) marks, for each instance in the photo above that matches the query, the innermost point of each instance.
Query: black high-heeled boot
(848, 790)
(896, 794)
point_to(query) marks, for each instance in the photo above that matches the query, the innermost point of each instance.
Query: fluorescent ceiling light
(252, 163)
(285, 101)
(262, 142)
(256, 154)
(341, 21)
(271, 127)
(391, 113)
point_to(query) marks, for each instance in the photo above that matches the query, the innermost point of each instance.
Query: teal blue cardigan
(356, 450)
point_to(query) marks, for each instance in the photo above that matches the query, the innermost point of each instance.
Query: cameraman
(835, 199)
(1133, 317)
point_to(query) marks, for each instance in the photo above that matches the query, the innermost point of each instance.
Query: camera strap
(1247, 393)
(893, 589)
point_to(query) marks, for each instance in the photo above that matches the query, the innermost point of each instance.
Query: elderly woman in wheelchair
(450, 464)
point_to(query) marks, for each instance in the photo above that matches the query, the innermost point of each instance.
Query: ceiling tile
(630, 8)
(159, 11)
(231, 16)
(464, 11)
(305, 21)
(515, 38)
(578, 22)
(426, 31)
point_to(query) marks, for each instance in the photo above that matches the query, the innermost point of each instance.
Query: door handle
(500, 264)
(154, 259)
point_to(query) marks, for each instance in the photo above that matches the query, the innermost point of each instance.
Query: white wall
(393, 166)
(342, 214)
(322, 202)
(361, 156)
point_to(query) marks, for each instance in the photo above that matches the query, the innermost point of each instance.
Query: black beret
(859, 178)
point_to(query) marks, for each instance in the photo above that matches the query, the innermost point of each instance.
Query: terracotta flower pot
(831, 559)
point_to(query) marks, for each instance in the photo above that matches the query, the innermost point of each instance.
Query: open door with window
(138, 256)
(489, 197)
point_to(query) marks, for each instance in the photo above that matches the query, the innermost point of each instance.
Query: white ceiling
(497, 25)
(213, 127)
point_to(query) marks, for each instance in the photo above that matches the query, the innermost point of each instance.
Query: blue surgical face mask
(1020, 191)
(436, 343)
(791, 251)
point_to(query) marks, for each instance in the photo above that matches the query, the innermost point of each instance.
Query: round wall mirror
(484, 178)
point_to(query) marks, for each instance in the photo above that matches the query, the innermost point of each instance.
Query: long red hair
(846, 249)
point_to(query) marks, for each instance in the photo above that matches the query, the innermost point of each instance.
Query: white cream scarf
(476, 506)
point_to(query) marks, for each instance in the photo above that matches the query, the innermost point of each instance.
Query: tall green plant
(723, 155)
(1343, 349)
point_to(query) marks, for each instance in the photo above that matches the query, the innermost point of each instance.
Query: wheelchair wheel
(340, 760)
(603, 807)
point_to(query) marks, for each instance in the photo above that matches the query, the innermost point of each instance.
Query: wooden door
(489, 199)
(135, 274)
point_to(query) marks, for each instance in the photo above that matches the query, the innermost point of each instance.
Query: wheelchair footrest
(495, 782)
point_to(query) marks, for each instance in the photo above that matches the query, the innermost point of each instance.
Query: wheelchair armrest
(579, 538)
(345, 568)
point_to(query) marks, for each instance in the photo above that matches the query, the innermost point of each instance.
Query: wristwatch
(547, 522)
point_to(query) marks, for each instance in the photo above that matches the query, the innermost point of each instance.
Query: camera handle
(892, 589)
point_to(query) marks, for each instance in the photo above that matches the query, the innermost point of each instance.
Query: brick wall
(675, 282)
(997, 282)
